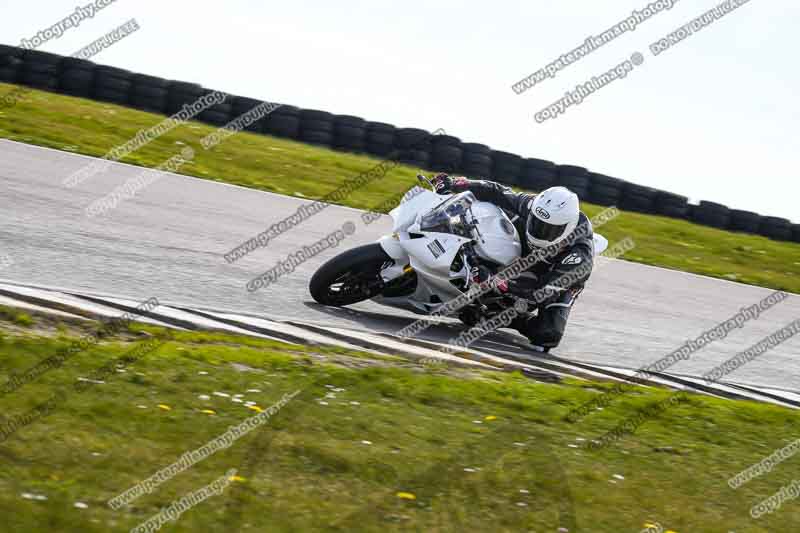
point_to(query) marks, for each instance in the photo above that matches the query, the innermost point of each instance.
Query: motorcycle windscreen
(448, 217)
(405, 214)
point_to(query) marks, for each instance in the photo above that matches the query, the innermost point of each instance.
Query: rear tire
(350, 277)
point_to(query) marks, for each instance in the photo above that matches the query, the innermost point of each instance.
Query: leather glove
(483, 277)
(524, 285)
(445, 184)
(497, 283)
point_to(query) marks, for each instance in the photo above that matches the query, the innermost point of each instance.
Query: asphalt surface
(169, 240)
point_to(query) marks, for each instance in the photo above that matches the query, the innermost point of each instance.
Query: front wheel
(350, 277)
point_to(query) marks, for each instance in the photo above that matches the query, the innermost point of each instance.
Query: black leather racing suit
(560, 277)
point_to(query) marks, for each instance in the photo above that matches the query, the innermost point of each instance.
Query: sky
(714, 117)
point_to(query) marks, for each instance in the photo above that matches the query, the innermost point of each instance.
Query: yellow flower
(255, 408)
(237, 478)
(406, 496)
(490, 417)
(208, 412)
(164, 407)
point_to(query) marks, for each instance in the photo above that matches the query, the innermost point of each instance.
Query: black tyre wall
(149, 93)
(671, 205)
(182, 93)
(316, 127)
(796, 232)
(241, 105)
(776, 228)
(379, 138)
(39, 70)
(506, 167)
(349, 133)
(283, 122)
(744, 221)
(76, 82)
(711, 214)
(9, 74)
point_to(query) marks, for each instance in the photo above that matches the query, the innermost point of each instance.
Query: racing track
(170, 239)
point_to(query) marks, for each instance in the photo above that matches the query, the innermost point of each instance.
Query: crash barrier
(416, 147)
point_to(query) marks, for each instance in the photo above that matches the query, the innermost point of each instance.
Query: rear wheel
(350, 277)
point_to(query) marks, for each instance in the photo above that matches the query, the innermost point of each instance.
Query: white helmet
(554, 215)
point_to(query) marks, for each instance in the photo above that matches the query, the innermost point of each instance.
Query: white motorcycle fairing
(600, 244)
(431, 253)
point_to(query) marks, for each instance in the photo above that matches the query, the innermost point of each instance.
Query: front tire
(350, 277)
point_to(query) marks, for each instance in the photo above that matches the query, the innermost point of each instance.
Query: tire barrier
(10, 51)
(416, 147)
(711, 214)
(149, 93)
(316, 127)
(112, 85)
(180, 94)
(241, 105)
(604, 190)
(10, 63)
(218, 114)
(638, 198)
(744, 221)
(283, 122)
(349, 134)
(476, 160)
(8, 74)
(379, 138)
(574, 178)
(671, 205)
(779, 229)
(537, 174)
(40, 70)
(506, 167)
(446, 154)
(77, 77)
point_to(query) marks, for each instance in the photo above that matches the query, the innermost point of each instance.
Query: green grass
(15, 316)
(297, 169)
(310, 469)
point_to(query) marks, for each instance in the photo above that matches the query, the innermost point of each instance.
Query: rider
(552, 217)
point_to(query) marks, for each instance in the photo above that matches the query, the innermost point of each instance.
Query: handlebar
(423, 179)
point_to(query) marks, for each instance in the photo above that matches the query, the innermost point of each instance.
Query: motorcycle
(441, 245)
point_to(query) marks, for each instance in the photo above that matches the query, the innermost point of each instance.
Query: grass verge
(297, 169)
(370, 444)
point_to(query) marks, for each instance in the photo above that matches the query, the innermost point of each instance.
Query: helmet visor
(540, 230)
